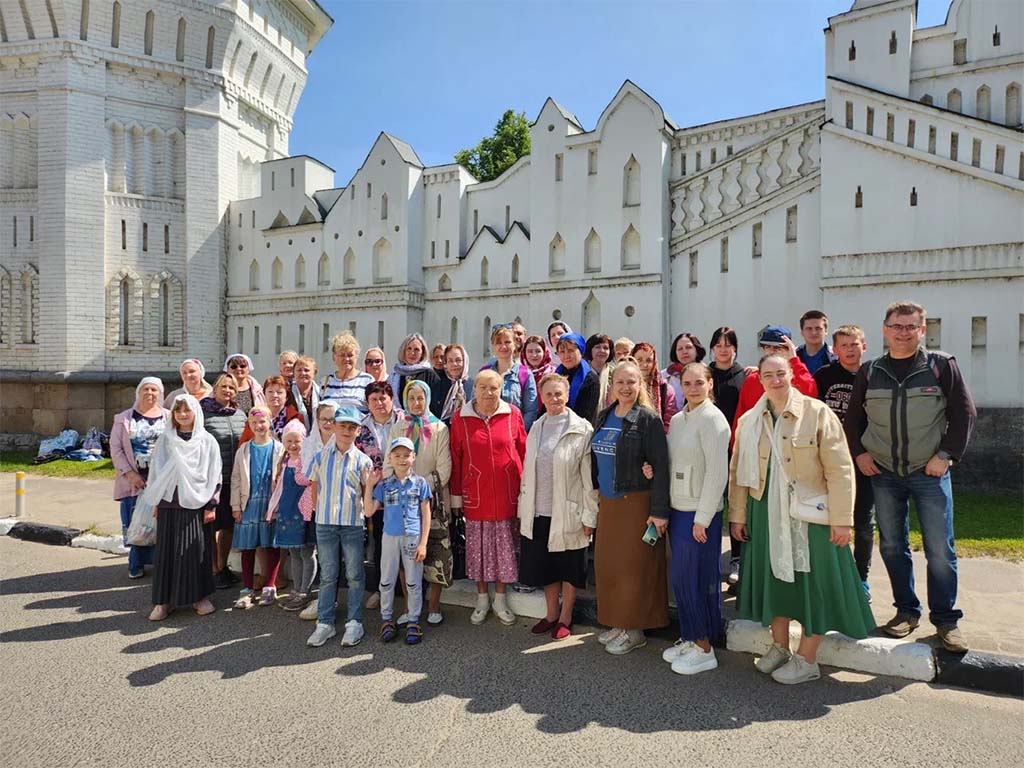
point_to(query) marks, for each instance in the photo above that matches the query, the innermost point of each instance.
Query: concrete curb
(992, 673)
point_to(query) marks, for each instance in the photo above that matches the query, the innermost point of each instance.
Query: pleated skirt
(183, 565)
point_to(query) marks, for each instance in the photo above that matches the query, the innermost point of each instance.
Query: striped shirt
(350, 393)
(339, 479)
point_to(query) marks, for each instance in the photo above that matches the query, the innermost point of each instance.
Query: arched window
(179, 48)
(148, 38)
(591, 315)
(382, 261)
(631, 249)
(276, 273)
(124, 310)
(164, 313)
(486, 348)
(266, 79)
(592, 252)
(323, 270)
(954, 101)
(83, 24)
(515, 269)
(556, 255)
(300, 272)
(234, 58)
(484, 269)
(444, 284)
(1013, 105)
(254, 275)
(384, 206)
(348, 267)
(115, 26)
(631, 182)
(927, 99)
(211, 40)
(983, 103)
(249, 69)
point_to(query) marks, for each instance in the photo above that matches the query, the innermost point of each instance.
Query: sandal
(413, 633)
(388, 631)
(159, 613)
(204, 607)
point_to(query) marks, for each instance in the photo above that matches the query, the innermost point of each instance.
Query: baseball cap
(347, 416)
(401, 442)
(771, 335)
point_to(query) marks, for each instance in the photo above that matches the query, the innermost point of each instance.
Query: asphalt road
(87, 680)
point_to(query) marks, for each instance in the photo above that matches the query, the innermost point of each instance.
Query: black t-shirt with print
(835, 385)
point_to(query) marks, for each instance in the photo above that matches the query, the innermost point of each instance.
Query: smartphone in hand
(651, 535)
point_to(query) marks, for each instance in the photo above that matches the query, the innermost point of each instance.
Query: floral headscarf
(418, 426)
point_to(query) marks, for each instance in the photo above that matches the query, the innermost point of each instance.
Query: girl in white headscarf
(193, 382)
(248, 391)
(184, 486)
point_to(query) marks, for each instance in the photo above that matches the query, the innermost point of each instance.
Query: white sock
(499, 601)
(483, 601)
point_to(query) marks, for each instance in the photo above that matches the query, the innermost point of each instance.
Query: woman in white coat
(557, 506)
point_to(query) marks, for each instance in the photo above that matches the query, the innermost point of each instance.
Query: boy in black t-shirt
(835, 385)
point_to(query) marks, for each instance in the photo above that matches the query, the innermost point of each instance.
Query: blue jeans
(137, 556)
(332, 543)
(933, 500)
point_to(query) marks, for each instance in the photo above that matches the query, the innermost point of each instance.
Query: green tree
(495, 154)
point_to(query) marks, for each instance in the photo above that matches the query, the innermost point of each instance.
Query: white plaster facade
(641, 228)
(126, 128)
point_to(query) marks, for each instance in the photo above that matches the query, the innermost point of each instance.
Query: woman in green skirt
(791, 491)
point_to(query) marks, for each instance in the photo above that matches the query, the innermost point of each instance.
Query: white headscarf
(199, 363)
(190, 467)
(148, 380)
(229, 358)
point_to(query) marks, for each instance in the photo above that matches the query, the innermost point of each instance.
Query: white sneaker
(353, 633)
(403, 619)
(777, 656)
(483, 606)
(310, 612)
(796, 670)
(268, 596)
(629, 640)
(676, 650)
(695, 660)
(434, 619)
(608, 635)
(502, 611)
(321, 635)
(734, 572)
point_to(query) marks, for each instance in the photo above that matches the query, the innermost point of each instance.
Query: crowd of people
(557, 450)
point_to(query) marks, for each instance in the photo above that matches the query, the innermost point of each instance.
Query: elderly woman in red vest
(488, 443)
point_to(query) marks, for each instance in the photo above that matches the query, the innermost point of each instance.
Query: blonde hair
(623, 342)
(307, 361)
(643, 396)
(488, 373)
(853, 331)
(344, 341)
(705, 371)
(497, 333)
(548, 378)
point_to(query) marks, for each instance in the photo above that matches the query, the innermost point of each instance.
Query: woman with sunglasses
(248, 391)
(375, 364)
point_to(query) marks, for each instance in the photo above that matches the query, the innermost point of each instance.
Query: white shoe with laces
(353, 633)
(628, 641)
(434, 619)
(310, 612)
(321, 635)
(483, 607)
(608, 635)
(694, 661)
(777, 656)
(796, 670)
(675, 651)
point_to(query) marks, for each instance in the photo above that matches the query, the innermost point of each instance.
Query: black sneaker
(223, 580)
(235, 579)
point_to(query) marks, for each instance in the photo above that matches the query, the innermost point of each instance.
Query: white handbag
(809, 509)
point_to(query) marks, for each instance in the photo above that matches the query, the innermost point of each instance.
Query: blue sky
(439, 74)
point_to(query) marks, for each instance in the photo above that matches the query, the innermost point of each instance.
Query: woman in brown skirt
(633, 513)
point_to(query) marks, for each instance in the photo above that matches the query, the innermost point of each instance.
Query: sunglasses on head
(501, 326)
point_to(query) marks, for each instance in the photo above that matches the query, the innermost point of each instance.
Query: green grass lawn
(13, 461)
(985, 525)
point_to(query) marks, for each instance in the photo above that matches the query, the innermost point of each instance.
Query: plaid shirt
(339, 479)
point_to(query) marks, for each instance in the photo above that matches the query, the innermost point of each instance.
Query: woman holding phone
(633, 513)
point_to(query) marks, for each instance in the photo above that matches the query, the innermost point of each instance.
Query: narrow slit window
(693, 269)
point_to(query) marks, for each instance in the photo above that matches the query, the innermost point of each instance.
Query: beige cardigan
(814, 452)
(240, 473)
(574, 501)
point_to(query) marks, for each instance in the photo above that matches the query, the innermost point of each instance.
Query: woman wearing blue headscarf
(584, 383)
(429, 435)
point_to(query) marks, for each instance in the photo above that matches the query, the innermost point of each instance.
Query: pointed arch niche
(382, 261)
(592, 252)
(630, 255)
(556, 255)
(591, 314)
(631, 183)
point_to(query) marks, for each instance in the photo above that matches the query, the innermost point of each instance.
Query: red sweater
(487, 462)
(752, 389)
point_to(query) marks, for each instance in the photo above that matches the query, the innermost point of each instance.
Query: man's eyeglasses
(899, 328)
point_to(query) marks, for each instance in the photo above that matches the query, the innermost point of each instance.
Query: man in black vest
(910, 418)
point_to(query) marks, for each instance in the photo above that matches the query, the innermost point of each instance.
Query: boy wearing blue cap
(342, 478)
(778, 339)
(405, 499)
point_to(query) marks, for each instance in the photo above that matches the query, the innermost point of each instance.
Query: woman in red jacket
(488, 443)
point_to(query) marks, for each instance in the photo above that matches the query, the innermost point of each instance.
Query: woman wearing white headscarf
(248, 391)
(184, 486)
(132, 441)
(193, 382)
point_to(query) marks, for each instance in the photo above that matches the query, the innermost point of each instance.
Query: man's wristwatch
(946, 456)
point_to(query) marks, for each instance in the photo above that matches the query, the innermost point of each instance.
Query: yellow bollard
(19, 494)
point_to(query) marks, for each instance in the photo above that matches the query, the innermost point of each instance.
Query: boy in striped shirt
(340, 474)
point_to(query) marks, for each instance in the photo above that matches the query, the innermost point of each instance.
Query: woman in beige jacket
(557, 506)
(791, 489)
